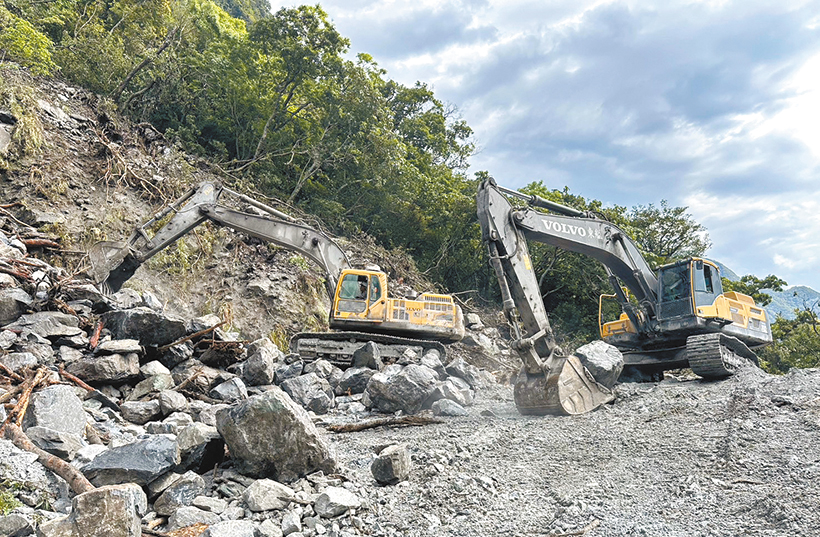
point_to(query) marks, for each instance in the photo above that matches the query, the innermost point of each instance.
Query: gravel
(682, 457)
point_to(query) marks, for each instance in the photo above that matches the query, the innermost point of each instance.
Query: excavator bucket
(111, 264)
(569, 390)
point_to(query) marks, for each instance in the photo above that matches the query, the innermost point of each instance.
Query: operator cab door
(706, 282)
(362, 297)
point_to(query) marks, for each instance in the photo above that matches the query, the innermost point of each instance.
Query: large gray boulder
(48, 324)
(140, 412)
(604, 361)
(15, 526)
(335, 501)
(271, 436)
(180, 494)
(145, 325)
(474, 376)
(311, 391)
(60, 443)
(267, 494)
(406, 390)
(355, 380)
(260, 367)
(13, 303)
(455, 389)
(230, 391)
(140, 462)
(189, 515)
(368, 355)
(113, 511)
(58, 408)
(391, 465)
(110, 369)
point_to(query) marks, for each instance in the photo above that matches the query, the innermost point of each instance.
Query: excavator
(674, 318)
(361, 310)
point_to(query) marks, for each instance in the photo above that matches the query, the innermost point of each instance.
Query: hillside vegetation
(272, 105)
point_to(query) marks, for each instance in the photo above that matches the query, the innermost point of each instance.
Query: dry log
(72, 476)
(11, 373)
(95, 337)
(402, 421)
(41, 243)
(192, 336)
(97, 394)
(19, 411)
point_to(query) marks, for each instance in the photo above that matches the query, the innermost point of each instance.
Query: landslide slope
(79, 172)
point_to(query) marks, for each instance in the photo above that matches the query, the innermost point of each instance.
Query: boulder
(7, 339)
(112, 511)
(152, 368)
(48, 324)
(604, 361)
(288, 371)
(110, 369)
(446, 407)
(60, 443)
(209, 503)
(406, 390)
(291, 523)
(139, 462)
(454, 389)
(355, 380)
(13, 303)
(205, 377)
(473, 375)
(57, 408)
(368, 355)
(271, 436)
(334, 501)
(140, 412)
(198, 442)
(171, 401)
(267, 494)
(260, 367)
(473, 322)
(17, 361)
(391, 465)
(230, 391)
(188, 516)
(152, 384)
(119, 346)
(15, 526)
(145, 325)
(432, 359)
(311, 391)
(180, 494)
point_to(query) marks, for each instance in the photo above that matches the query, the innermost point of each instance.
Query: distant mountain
(726, 272)
(785, 302)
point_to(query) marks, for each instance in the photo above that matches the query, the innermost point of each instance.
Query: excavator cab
(360, 295)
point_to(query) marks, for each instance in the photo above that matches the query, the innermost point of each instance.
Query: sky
(713, 105)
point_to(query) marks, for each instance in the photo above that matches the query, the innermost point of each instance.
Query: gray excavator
(361, 310)
(676, 317)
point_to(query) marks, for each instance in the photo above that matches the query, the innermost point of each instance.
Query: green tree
(796, 342)
(666, 234)
(754, 287)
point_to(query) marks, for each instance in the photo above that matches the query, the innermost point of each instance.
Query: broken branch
(192, 336)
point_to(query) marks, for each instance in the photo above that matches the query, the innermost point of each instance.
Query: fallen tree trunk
(404, 421)
(72, 476)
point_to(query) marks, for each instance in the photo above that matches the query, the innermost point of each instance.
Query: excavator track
(338, 347)
(717, 355)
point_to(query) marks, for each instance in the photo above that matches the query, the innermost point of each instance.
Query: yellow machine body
(361, 302)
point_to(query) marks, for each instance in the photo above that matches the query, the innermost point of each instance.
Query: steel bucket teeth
(570, 390)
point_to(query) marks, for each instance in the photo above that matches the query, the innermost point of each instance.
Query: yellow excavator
(361, 310)
(677, 317)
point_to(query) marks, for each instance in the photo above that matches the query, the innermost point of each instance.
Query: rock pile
(178, 425)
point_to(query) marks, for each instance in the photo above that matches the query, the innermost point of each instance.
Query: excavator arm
(115, 262)
(550, 382)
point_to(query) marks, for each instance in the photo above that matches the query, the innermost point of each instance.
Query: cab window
(675, 283)
(375, 289)
(354, 287)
